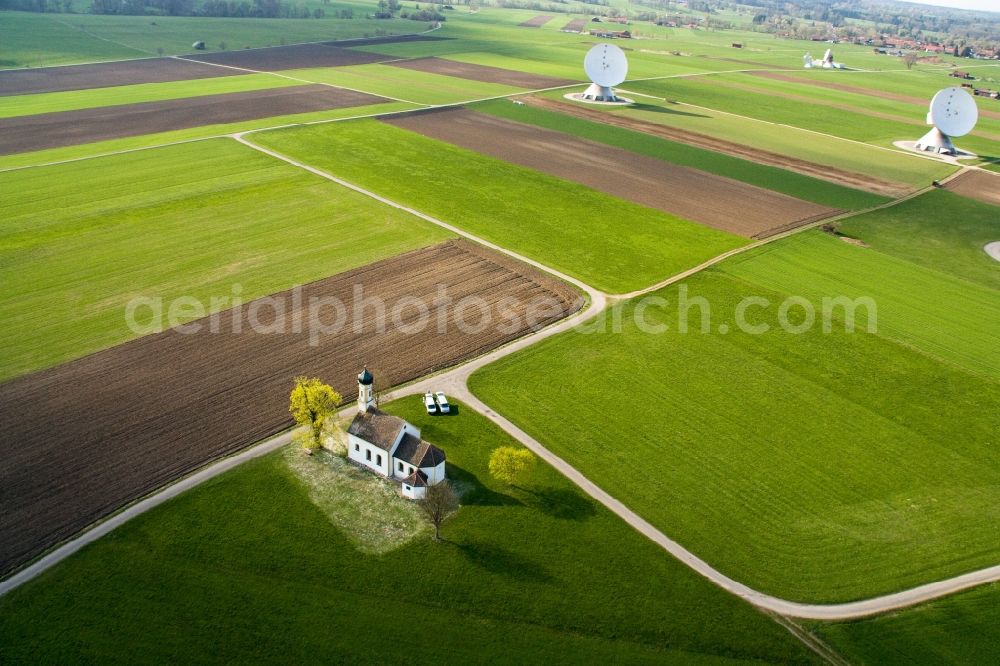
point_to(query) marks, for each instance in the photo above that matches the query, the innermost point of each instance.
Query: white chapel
(391, 446)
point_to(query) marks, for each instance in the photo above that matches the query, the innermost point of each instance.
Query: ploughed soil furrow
(751, 154)
(576, 25)
(980, 185)
(537, 21)
(85, 438)
(464, 70)
(105, 74)
(296, 56)
(695, 195)
(67, 128)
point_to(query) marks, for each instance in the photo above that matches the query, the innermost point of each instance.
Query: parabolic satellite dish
(606, 66)
(953, 112)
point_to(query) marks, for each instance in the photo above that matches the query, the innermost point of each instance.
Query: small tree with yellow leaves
(314, 404)
(508, 464)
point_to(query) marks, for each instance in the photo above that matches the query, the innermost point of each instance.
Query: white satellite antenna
(826, 63)
(953, 113)
(606, 67)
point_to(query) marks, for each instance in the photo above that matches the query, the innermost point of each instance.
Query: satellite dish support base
(600, 94)
(937, 141)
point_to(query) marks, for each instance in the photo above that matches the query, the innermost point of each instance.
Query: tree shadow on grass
(498, 560)
(656, 108)
(474, 493)
(561, 503)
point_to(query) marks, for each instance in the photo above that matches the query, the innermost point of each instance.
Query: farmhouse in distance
(391, 446)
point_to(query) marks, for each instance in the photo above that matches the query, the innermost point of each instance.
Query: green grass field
(846, 115)
(36, 40)
(28, 105)
(192, 219)
(934, 311)
(960, 629)
(246, 568)
(814, 466)
(939, 230)
(606, 242)
(911, 114)
(772, 178)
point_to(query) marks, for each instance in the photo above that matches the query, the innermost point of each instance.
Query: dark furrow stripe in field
(23, 134)
(464, 70)
(537, 21)
(80, 440)
(298, 56)
(104, 75)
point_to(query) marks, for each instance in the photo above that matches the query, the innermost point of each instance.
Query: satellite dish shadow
(639, 106)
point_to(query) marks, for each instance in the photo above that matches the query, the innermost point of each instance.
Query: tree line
(216, 8)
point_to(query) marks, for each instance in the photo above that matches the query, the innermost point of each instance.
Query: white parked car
(429, 403)
(442, 402)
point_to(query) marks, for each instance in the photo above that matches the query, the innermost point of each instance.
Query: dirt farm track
(688, 193)
(82, 439)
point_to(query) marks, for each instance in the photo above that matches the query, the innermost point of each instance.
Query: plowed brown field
(718, 202)
(83, 439)
(297, 56)
(105, 74)
(979, 185)
(576, 25)
(67, 128)
(832, 174)
(537, 21)
(464, 70)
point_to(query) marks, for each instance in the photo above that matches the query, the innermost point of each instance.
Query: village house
(391, 446)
